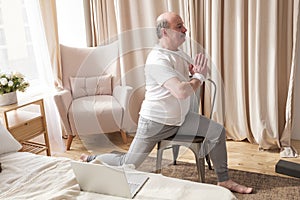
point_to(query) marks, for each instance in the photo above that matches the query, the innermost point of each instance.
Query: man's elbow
(180, 91)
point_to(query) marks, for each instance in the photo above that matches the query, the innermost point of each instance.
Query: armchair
(92, 100)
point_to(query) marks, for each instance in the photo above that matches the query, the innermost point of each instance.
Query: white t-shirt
(159, 104)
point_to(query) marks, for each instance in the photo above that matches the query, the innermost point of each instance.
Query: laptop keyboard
(135, 181)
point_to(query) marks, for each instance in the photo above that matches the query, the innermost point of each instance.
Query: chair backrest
(90, 61)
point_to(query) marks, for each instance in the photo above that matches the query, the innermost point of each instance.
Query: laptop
(110, 180)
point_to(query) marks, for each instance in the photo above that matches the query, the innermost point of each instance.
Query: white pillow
(7, 142)
(89, 86)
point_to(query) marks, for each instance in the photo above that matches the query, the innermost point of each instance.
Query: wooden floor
(241, 155)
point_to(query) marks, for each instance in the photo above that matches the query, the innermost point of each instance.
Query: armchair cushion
(95, 114)
(90, 86)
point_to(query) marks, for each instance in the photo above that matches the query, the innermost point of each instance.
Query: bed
(29, 176)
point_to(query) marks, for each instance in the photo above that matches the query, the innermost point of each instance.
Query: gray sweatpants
(149, 133)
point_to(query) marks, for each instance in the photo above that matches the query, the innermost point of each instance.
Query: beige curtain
(48, 11)
(290, 108)
(252, 51)
(101, 21)
(253, 59)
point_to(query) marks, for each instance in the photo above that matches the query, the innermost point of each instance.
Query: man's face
(176, 31)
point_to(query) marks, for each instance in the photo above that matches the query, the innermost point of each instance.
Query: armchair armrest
(122, 94)
(63, 100)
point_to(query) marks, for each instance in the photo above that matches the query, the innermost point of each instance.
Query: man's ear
(164, 32)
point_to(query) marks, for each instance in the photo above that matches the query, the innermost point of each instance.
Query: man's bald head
(167, 16)
(164, 20)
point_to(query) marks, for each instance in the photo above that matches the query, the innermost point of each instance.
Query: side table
(25, 121)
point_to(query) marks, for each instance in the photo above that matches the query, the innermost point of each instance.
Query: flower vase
(8, 99)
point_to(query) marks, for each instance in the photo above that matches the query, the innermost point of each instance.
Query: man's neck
(165, 45)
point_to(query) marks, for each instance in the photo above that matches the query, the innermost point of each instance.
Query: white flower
(17, 74)
(3, 81)
(10, 83)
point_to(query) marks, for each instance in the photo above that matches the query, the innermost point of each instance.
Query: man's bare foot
(235, 187)
(84, 157)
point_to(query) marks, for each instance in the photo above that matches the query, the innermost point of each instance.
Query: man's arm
(184, 89)
(181, 89)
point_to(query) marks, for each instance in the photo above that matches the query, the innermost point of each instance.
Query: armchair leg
(124, 136)
(69, 141)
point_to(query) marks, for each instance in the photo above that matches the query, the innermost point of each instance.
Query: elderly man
(166, 110)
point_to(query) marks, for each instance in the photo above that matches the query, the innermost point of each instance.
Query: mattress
(30, 176)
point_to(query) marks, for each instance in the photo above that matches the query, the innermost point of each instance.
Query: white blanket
(30, 176)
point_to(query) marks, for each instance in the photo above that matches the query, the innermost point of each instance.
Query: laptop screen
(108, 180)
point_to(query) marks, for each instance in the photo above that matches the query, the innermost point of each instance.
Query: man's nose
(183, 29)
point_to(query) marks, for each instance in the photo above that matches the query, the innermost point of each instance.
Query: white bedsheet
(29, 176)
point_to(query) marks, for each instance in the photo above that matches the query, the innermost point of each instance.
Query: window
(71, 25)
(23, 48)
(16, 48)
(23, 45)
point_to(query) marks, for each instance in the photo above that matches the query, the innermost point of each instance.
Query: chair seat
(186, 138)
(190, 141)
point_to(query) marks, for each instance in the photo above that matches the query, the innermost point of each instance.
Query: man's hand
(200, 65)
(191, 69)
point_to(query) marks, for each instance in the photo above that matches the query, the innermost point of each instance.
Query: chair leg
(201, 168)
(175, 149)
(159, 158)
(69, 141)
(208, 162)
(124, 136)
(200, 162)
